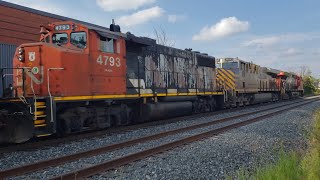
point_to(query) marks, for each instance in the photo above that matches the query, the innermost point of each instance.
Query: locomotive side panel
(75, 80)
(107, 64)
(170, 68)
(107, 73)
(248, 80)
(164, 69)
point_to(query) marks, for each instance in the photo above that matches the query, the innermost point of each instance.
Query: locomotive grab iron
(80, 78)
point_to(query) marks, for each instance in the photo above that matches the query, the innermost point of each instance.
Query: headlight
(21, 58)
(21, 51)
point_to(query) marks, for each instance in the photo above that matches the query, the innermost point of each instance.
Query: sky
(279, 34)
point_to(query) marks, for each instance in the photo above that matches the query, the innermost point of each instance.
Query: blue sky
(279, 34)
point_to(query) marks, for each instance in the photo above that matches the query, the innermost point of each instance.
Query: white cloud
(271, 40)
(114, 5)
(316, 51)
(141, 17)
(42, 5)
(260, 42)
(291, 52)
(226, 27)
(173, 18)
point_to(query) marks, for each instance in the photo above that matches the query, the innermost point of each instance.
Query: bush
(308, 85)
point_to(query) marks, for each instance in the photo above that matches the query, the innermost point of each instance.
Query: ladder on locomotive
(40, 118)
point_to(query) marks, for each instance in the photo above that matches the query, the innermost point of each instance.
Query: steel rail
(68, 158)
(112, 164)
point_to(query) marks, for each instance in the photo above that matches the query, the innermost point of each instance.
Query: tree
(308, 85)
(305, 71)
(162, 37)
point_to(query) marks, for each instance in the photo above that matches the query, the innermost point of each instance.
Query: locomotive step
(40, 121)
(40, 125)
(42, 135)
(40, 103)
(41, 116)
(37, 113)
(41, 107)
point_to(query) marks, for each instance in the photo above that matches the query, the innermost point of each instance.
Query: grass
(291, 166)
(311, 162)
(287, 167)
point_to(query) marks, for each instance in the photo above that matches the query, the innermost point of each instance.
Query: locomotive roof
(273, 71)
(105, 32)
(270, 71)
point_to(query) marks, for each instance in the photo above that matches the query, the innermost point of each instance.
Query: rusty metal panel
(170, 68)
(6, 56)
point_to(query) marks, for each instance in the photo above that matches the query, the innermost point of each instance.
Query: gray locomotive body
(247, 83)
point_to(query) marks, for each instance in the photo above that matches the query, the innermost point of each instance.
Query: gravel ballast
(168, 164)
(221, 156)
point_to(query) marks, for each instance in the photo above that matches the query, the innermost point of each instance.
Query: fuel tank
(262, 97)
(177, 98)
(162, 110)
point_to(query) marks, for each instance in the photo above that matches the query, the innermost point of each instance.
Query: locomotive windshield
(79, 39)
(233, 66)
(60, 38)
(230, 65)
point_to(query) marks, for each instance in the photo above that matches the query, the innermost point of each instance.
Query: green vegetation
(311, 162)
(287, 167)
(291, 165)
(309, 85)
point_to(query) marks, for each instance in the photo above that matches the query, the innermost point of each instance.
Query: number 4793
(108, 61)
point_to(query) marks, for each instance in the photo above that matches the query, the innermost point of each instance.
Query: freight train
(79, 78)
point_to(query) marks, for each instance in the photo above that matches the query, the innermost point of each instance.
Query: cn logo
(32, 56)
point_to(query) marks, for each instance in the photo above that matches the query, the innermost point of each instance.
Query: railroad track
(114, 163)
(38, 143)
(54, 140)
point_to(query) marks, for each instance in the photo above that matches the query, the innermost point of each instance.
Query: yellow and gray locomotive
(247, 83)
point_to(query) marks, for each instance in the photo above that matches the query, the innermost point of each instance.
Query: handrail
(23, 74)
(35, 100)
(49, 92)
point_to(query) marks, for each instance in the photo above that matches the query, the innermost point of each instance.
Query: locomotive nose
(27, 54)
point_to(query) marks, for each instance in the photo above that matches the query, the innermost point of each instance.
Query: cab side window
(107, 45)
